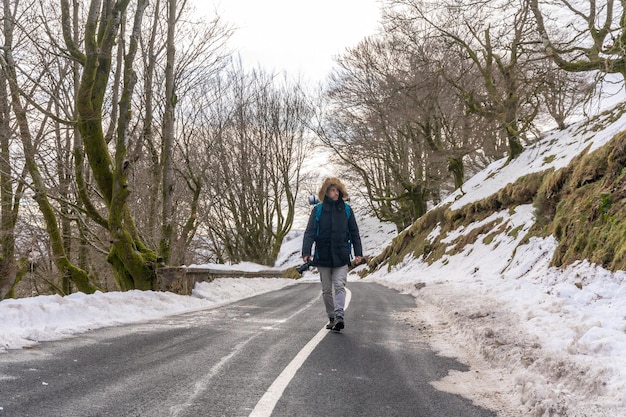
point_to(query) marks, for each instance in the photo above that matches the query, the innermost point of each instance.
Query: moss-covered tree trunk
(76, 275)
(133, 263)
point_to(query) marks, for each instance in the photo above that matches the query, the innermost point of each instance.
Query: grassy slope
(583, 205)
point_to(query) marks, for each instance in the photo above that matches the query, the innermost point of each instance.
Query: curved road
(223, 361)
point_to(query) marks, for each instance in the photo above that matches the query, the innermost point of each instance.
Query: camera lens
(303, 267)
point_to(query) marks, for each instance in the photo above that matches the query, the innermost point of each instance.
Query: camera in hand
(303, 267)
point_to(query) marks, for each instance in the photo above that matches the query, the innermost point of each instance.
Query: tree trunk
(8, 211)
(153, 217)
(167, 214)
(78, 276)
(455, 166)
(133, 263)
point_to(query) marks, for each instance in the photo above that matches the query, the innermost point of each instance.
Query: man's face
(333, 193)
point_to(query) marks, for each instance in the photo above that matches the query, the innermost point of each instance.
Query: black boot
(331, 322)
(338, 324)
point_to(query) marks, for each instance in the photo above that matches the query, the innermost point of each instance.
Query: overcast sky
(297, 36)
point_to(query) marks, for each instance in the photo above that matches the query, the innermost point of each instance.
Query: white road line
(268, 401)
(202, 384)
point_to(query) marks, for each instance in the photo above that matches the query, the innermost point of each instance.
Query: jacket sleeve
(355, 236)
(309, 235)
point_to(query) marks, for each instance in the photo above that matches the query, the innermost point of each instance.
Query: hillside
(521, 276)
(583, 204)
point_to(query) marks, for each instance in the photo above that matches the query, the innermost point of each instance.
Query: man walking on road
(333, 228)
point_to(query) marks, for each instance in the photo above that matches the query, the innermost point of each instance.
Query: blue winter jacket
(332, 235)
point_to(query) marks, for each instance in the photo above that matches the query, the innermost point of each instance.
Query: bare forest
(131, 136)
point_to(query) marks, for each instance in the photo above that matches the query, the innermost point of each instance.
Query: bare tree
(373, 127)
(583, 37)
(495, 46)
(8, 266)
(200, 55)
(168, 136)
(256, 165)
(11, 188)
(63, 262)
(392, 118)
(564, 92)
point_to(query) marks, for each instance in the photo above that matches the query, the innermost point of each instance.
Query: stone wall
(181, 280)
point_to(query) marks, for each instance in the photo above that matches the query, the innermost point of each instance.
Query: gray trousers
(334, 289)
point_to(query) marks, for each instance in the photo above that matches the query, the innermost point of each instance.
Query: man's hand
(306, 259)
(358, 260)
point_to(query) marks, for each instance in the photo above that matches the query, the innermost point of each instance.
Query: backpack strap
(318, 213)
(348, 214)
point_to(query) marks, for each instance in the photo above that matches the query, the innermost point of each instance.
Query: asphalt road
(221, 362)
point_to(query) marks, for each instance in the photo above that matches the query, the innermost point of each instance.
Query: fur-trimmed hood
(337, 183)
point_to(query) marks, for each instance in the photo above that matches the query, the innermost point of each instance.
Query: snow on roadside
(28, 321)
(549, 346)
